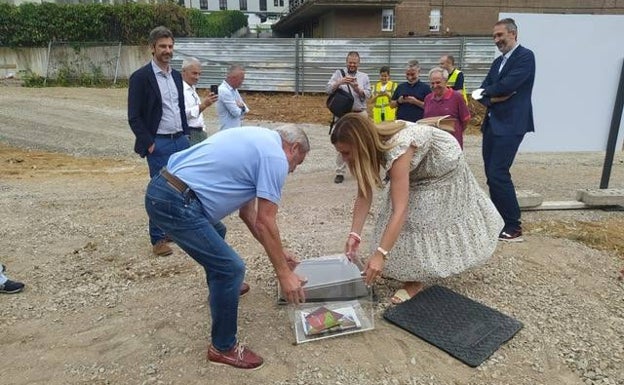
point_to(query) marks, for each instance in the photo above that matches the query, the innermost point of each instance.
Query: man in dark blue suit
(156, 115)
(506, 92)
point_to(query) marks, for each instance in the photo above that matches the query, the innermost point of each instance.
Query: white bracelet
(383, 252)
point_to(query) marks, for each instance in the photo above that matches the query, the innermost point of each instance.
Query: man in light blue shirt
(230, 106)
(242, 169)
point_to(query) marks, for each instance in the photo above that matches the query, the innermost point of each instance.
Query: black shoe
(511, 236)
(339, 179)
(11, 287)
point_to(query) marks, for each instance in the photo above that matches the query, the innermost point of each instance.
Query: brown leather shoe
(239, 357)
(161, 248)
(244, 289)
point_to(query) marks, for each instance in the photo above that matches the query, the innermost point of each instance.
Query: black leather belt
(174, 181)
(171, 136)
(196, 128)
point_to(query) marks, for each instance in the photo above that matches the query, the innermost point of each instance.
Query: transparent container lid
(331, 278)
(321, 320)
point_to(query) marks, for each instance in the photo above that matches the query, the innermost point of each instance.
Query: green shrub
(31, 79)
(34, 25)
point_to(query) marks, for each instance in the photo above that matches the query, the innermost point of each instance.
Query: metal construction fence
(305, 65)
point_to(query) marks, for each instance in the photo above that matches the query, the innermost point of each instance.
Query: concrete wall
(36, 59)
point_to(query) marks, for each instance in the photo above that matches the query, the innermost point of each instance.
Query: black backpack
(340, 101)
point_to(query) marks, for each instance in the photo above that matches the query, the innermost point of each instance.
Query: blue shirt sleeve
(272, 172)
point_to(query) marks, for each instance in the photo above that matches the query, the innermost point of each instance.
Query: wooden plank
(8, 66)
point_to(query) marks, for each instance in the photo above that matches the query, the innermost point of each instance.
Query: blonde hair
(368, 147)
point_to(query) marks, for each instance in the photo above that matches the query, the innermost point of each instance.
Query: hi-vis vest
(451, 82)
(382, 112)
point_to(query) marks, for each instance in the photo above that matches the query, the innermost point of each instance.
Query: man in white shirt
(194, 104)
(230, 106)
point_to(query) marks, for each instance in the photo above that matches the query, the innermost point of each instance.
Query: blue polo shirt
(407, 111)
(231, 168)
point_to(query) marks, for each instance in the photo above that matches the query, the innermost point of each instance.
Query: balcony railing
(294, 4)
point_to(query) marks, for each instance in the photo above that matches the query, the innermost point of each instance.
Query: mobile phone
(214, 89)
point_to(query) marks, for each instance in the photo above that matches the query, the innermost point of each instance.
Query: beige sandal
(400, 296)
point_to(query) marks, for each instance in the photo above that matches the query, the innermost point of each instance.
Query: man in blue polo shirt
(244, 169)
(409, 97)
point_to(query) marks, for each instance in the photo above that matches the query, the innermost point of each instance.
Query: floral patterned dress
(452, 224)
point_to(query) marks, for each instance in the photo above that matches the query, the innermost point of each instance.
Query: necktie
(502, 64)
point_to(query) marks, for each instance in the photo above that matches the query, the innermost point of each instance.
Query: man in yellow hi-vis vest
(456, 77)
(384, 88)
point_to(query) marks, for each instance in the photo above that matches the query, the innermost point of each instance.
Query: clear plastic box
(337, 300)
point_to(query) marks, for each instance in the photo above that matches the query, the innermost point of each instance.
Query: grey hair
(235, 67)
(412, 64)
(190, 61)
(509, 23)
(440, 70)
(291, 133)
(159, 33)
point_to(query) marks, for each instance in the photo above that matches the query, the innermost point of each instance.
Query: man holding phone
(194, 104)
(409, 97)
(352, 80)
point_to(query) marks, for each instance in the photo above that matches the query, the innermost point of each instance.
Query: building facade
(260, 13)
(404, 18)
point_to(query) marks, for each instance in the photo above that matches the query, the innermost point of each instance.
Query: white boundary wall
(579, 60)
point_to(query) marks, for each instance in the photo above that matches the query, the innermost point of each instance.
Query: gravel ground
(99, 309)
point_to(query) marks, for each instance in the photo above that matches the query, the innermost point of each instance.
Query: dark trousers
(156, 161)
(499, 153)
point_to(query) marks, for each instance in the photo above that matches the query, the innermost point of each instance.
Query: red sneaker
(239, 357)
(512, 236)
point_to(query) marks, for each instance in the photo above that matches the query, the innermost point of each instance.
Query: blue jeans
(158, 159)
(499, 153)
(182, 217)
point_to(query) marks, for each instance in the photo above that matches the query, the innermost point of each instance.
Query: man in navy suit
(156, 115)
(507, 95)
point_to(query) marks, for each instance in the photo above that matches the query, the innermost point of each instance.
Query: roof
(302, 11)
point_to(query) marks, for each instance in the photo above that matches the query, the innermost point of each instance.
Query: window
(387, 19)
(223, 5)
(278, 3)
(275, 3)
(434, 20)
(203, 4)
(263, 5)
(242, 5)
